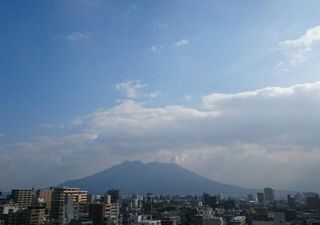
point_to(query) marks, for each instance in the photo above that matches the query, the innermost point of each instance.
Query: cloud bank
(264, 137)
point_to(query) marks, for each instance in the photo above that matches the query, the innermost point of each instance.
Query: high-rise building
(45, 196)
(35, 215)
(112, 213)
(260, 197)
(58, 197)
(291, 201)
(209, 200)
(107, 199)
(68, 211)
(97, 213)
(116, 196)
(313, 201)
(279, 218)
(20, 217)
(250, 197)
(22, 197)
(148, 203)
(268, 194)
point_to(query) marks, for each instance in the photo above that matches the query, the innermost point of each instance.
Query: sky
(229, 89)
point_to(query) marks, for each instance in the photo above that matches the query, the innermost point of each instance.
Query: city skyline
(227, 89)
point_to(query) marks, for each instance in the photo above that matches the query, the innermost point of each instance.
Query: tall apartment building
(260, 197)
(107, 199)
(112, 213)
(35, 215)
(59, 195)
(209, 200)
(268, 194)
(148, 203)
(97, 213)
(68, 211)
(22, 197)
(116, 196)
(45, 196)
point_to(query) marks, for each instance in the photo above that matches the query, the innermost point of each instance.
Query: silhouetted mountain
(158, 178)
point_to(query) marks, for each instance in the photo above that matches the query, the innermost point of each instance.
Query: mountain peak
(155, 177)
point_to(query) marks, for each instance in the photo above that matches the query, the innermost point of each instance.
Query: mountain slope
(158, 178)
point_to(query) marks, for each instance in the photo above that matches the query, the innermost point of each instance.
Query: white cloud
(296, 50)
(182, 42)
(131, 88)
(270, 135)
(77, 36)
(157, 48)
(134, 89)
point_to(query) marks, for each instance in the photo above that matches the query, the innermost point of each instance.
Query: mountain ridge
(155, 177)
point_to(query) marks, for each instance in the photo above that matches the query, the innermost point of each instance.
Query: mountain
(157, 178)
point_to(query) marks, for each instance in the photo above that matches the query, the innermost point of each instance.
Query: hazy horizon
(227, 89)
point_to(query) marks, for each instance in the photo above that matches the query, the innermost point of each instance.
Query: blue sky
(66, 62)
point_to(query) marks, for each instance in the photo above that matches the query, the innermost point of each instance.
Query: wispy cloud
(160, 25)
(157, 48)
(134, 89)
(296, 50)
(182, 42)
(77, 36)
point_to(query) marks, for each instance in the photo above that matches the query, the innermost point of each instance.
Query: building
(238, 220)
(81, 222)
(7, 213)
(260, 197)
(262, 222)
(269, 194)
(147, 222)
(116, 196)
(35, 215)
(23, 198)
(59, 195)
(6, 208)
(205, 220)
(291, 202)
(112, 213)
(148, 203)
(45, 196)
(20, 217)
(250, 197)
(313, 202)
(107, 199)
(279, 218)
(171, 220)
(68, 211)
(97, 213)
(209, 200)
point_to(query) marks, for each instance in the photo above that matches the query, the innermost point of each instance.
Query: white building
(69, 210)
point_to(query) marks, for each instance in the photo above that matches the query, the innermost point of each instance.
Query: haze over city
(227, 89)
